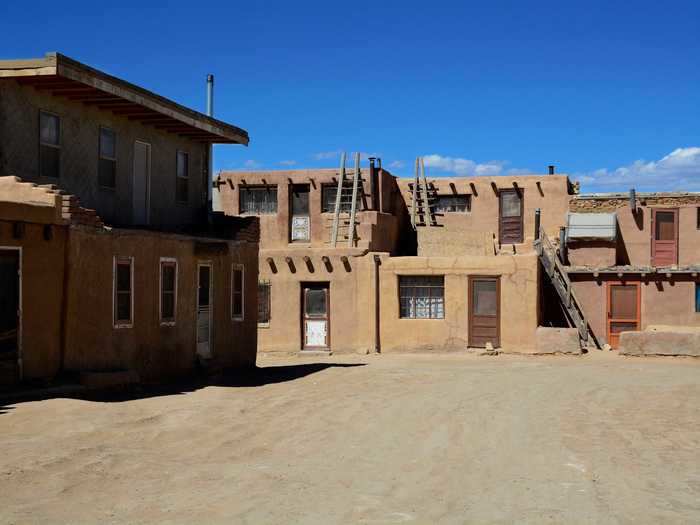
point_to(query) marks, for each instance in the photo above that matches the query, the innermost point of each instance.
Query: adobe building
(110, 262)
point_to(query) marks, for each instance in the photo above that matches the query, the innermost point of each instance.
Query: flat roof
(638, 194)
(65, 77)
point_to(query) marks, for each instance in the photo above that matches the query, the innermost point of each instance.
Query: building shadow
(244, 378)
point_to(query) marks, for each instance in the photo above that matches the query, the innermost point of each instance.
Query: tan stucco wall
(155, 351)
(80, 124)
(461, 232)
(518, 274)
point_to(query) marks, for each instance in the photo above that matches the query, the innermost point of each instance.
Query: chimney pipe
(213, 197)
(551, 169)
(373, 183)
(210, 95)
(379, 162)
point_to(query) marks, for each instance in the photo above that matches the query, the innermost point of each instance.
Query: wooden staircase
(556, 272)
(344, 222)
(423, 198)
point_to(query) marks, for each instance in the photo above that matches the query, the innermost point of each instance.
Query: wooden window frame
(430, 306)
(180, 177)
(244, 188)
(467, 208)
(167, 261)
(48, 145)
(101, 157)
(268, 285)
(234, 268)
(122, 323)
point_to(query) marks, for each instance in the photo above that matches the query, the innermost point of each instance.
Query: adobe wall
(463, 232)
(351, 300)
(42, 264)
(156, 352)
(80, 124)
(519, 296)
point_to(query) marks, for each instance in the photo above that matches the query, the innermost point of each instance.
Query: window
(453, 203)
(123, 297)
(697, 219)
(237, 292)
(264, 302)
(697, 297)
(329, 193)
(182, 178)
(49, 145)
(168, 290)
(107, 167)
(258, 199)
(422, 297)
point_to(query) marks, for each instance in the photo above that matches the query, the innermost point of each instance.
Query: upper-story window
(328, 196)
(49, 145)
(258, 199)
(107, 164)
(182, 178)
(453, 203)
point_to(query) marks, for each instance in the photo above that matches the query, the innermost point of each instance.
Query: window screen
(264, 301)
(258, 200)
(182, 178)
(49, 145)
(453, 203)
(422, 297)
(329, 193)
(237, 293)
(122, 291)
(107, 167)
(168, 284)
(510, 203)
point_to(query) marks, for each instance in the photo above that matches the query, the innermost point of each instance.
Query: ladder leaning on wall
(422, 198)
(345, 211)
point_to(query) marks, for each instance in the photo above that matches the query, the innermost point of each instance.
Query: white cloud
(323, 155)
(679, 170)
(397, 164)
(287, 162)
(463, 167)
(251, 164)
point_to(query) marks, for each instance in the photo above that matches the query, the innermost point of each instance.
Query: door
(623, 310)
(664, 237)
(484, 311)
(299, 216)
(10, 316)
(204, 310)
(315, 315)
(510, 213)
(142, 182)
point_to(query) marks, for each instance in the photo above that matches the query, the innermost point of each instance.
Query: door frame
(211, 306)
(676, 218)
(470, 312)
(327, 286)
(292, 216)
(609, 319)
(20, 354)
(521, 193)
(148, 180)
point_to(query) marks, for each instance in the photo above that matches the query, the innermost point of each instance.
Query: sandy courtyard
(375, 439)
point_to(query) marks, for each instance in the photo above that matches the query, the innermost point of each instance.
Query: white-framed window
(182, 176)
(168, 291)
(123, 291)
(237, 280)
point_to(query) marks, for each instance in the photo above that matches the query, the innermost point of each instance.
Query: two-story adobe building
(109, 257)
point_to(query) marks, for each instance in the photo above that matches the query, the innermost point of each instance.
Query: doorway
(510, 216)
(484, 311)
(623, 310)
(664, 237)
(204, 310)
(315, 298)
(299, 213)
(10, 315)
(141, 182)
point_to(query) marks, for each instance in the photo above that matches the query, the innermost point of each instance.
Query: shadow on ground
(254, 377)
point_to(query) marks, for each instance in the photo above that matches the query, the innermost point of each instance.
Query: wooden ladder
(422, 198)
(560, 279)
(345, 198)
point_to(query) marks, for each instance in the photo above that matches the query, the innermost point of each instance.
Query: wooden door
(300, 222)
(141, 182)
(510, 213)
(484, 311)
(10, 316)
(204, 309)
(623, 310)
(664, 237)
(316, 316)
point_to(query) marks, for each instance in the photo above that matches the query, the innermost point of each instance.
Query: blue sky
(608, 91)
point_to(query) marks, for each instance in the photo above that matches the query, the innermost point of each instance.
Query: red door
(623, 310)
(664, 237)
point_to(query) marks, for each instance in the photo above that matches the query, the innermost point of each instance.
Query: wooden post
(414, 197)
(353, 205)
(538, 213)
(338, 194)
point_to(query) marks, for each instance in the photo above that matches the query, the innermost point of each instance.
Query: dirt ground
(371, 439)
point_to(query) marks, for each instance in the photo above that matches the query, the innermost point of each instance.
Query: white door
(204, 281)
(141, 183)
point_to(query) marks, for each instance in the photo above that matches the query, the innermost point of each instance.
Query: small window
(123, 285)
(329, 193)
(453, 203)
(258, 200)
(182, 178)
(237, 292)
(422, 297)
(697, 219)
(264, 302)
(107, 167)
(168, 291)
(697, 297)
(49, 145)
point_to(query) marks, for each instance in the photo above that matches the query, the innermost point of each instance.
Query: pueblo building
(111, 265)
(358, 260)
